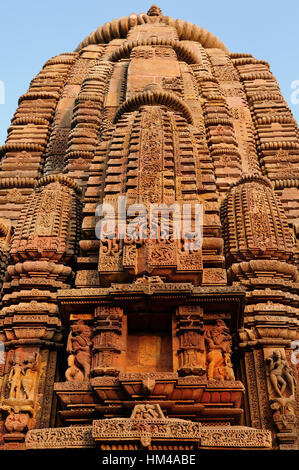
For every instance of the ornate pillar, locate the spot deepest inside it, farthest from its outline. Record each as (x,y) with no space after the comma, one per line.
(107,343)
(191,348)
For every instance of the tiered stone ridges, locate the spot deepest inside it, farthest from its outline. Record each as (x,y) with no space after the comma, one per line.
(158,111)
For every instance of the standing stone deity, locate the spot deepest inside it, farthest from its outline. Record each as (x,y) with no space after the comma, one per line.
(15,381)
(22,378)
(79,345)
(218,341)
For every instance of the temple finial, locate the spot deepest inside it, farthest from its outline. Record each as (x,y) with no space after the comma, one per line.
(154,11)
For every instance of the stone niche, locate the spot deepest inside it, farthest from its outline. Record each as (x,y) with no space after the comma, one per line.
(149,343)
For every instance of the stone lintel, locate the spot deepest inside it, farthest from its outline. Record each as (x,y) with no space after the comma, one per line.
(126,432)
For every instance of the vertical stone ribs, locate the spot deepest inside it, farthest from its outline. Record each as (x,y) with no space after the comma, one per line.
(24,149)
(61,126)
(254,223)
(276,133)
(276,130)
(218,121)
(156,111)
(105,181)
(86,121)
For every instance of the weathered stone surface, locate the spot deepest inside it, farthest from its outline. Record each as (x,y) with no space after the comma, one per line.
(147,427)
(199,325)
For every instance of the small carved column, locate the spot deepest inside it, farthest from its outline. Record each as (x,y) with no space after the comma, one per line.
(191,351)
(107,347)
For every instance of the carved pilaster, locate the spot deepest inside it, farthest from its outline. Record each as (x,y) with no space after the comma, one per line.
(191,352)
(107,343)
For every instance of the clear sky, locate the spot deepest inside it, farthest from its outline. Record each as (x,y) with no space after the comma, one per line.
(32,31)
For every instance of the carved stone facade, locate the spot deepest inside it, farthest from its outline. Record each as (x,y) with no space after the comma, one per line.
(138,334)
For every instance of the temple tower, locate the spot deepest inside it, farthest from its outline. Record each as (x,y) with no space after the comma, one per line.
(149,207)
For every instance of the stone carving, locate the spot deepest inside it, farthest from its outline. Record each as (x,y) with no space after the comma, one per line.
(154,11)
(73,373)
(254,195)
(147,423)
(30,375)
(219,341)
(15,381)
(107,339)
(192,353)
(16,422)
(151,156)
(236,437)
(79,345)
(22,378)
(284,416)
(142,53)
(74,437)
(158,111)
(87,436)
(147,412)
(282,387)
(281,375)
(46,215)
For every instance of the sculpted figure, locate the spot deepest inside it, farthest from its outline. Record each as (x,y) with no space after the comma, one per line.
(228,367)
(16,422)
(79,344)
(146,412)
(218,341)
(73,373)
(29,377)
(22,377)
(280,374)
(15,381)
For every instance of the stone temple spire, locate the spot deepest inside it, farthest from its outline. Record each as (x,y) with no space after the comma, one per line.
(188,309)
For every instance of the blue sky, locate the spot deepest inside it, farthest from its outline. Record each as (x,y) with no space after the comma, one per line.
(31,32)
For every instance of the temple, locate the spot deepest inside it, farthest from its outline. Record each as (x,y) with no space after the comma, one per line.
(122,333)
